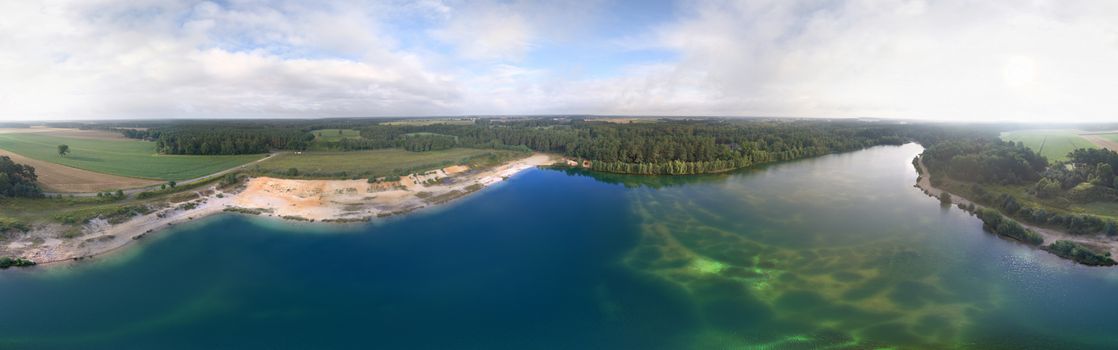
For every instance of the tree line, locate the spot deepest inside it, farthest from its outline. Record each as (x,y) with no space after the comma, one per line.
(667,146)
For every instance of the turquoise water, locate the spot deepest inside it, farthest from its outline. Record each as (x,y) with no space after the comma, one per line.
(836,252)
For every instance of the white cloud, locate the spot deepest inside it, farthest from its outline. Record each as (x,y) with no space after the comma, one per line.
(949,59)
(939,59)
(174,59)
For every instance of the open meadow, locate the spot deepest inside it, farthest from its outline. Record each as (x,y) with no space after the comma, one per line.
(127,158)
(425,122)
(335,135)
(373,163)
(1053,144)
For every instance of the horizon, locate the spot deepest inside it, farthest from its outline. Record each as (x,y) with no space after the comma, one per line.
(1001,61)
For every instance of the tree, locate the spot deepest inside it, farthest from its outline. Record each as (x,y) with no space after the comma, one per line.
(18,180)
(229,179)
(1104,175)
(945,198)
(63,150)
(172,183)
(1047,187)
(119,194)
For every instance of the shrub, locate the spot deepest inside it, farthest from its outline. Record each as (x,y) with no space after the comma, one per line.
(1080,253)
(6,262)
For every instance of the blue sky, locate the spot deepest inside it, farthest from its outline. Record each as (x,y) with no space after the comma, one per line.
(946,60)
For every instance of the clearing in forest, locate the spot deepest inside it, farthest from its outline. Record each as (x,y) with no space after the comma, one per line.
(335,135)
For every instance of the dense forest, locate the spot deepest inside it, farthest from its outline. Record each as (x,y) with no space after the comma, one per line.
(665,146)
(18,180)
(985,160)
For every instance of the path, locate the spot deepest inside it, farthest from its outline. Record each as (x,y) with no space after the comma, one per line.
(132,191)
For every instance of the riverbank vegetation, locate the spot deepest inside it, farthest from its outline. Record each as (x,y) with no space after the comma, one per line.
(1076,195)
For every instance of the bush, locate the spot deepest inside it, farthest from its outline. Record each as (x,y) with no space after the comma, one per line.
(996,223)
(7,224)
(945,198)
(6,262)
(1080,253)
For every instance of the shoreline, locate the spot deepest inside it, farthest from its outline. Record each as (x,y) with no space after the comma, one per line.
(1050,235)
(325,201)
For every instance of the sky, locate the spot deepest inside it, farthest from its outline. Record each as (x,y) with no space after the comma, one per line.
(954,60)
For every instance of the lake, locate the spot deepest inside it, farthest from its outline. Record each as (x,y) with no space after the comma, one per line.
(835,252)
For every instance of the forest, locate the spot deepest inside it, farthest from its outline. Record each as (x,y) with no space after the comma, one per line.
(666,146)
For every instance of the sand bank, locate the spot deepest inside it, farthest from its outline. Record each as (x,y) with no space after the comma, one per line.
(304,200)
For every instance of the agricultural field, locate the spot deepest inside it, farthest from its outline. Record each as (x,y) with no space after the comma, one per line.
(423,122)
(374,163)
(622,120)
(127,158)
(1104,140)
(335,135)
(1053,144)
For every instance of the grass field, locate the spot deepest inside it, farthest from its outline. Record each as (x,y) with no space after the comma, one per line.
(373,163)
(335,135)
(128,158)
(1054,144)
(420,122)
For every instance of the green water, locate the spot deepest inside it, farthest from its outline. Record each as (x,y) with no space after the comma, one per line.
(836,252)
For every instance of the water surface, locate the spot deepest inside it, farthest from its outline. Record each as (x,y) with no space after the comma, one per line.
(835,252)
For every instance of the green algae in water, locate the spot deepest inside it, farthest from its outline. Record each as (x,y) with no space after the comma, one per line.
(837,252)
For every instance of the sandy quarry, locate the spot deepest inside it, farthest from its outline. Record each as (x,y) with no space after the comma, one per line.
(358,200)
(318,200)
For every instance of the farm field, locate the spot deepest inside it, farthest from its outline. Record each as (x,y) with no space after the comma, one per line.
(372,163)
(128,158)
(335,135)
(421,122)
(1053,144)
(1108,141)
(60,178)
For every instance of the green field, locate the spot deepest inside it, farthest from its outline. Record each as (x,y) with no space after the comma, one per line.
(335,135)
(129,158)
(422,122)
(1053,144)
(1111,137)
(374,163)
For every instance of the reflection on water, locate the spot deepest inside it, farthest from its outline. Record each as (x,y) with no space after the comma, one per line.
(837,252)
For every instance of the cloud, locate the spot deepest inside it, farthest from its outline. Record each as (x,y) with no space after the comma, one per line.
(173,59)
(936,59)
(948,59)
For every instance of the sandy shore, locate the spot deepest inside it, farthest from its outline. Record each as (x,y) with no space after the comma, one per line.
(1098,241)
(304,200)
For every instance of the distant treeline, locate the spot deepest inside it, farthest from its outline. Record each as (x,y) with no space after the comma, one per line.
(663,147)
(668,146)
(223,139)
